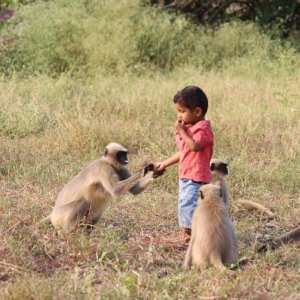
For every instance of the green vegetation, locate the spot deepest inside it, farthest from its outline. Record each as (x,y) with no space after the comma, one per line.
(76,36)
(284,15)
(80,74)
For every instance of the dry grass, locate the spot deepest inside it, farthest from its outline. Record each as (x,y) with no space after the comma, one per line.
(50,128)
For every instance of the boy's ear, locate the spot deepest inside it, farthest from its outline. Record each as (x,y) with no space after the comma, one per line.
(198,111)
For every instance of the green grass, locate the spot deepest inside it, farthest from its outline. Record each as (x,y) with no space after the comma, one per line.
(52,123)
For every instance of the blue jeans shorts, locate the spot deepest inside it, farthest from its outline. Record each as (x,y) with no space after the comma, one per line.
(187,202)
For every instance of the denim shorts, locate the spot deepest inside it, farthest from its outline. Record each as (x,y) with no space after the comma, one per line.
(187,202)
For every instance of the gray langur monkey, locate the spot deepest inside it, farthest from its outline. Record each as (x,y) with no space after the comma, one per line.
(213,239)
(219,171)
(84,198)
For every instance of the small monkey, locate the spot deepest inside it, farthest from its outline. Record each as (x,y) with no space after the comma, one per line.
(219,171)
(213,240)
(86,195)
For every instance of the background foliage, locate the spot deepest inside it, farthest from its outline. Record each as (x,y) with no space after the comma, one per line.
(63,35)
(76,75)
(284,15)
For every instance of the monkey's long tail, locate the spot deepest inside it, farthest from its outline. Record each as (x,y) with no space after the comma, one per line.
(260,207)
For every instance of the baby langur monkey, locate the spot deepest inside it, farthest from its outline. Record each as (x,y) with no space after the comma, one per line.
(213,239)
(84,198)
(219,171)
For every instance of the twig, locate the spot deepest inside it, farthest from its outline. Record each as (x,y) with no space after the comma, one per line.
(6,41)
(291,236)
(12,227)
(15,267)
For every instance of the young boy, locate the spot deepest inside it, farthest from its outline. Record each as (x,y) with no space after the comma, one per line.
(194,140)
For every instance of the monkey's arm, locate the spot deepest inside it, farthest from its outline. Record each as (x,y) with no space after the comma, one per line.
(142,183)
(225,193)
(111,181)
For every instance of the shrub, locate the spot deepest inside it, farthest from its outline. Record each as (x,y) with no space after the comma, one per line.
(114,37)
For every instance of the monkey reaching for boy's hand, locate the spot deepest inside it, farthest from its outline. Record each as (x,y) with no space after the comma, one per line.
(84,198)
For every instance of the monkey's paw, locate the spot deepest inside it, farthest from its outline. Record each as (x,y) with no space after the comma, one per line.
(150,168)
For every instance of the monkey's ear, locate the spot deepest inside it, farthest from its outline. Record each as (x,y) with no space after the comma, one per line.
(201,195)
(212,166)
(221,193)
(105,152)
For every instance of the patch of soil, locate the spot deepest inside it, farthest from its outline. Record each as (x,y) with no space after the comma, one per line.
(6,14)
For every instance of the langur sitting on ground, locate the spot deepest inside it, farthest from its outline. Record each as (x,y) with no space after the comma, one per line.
(213,240)
(84,198)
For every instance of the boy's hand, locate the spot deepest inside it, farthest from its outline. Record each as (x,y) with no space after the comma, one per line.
(159,169)
(179,126)
(159,166)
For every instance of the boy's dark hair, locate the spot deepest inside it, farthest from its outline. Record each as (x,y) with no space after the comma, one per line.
(192,97)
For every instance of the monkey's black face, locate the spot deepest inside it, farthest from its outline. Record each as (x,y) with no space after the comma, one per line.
(222,167)
(122,157)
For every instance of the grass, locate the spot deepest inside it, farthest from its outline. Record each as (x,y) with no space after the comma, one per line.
(118,85)
(129,253)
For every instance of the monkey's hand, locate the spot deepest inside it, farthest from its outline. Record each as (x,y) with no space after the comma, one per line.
(142,183)
(151,168)
(158,173)
(148,168)
(145,180)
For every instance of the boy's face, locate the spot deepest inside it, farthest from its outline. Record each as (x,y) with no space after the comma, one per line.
(188,116)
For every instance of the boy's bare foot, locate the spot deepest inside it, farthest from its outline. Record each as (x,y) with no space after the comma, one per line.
(187,235)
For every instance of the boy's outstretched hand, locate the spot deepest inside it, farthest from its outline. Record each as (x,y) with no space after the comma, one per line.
(159,166)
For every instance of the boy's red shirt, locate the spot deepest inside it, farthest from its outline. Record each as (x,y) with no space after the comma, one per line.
(195,165)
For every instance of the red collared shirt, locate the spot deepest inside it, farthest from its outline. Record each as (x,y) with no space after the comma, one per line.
(195,165)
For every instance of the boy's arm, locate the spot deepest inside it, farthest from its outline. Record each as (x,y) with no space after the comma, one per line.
(191,144)
(159,166)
